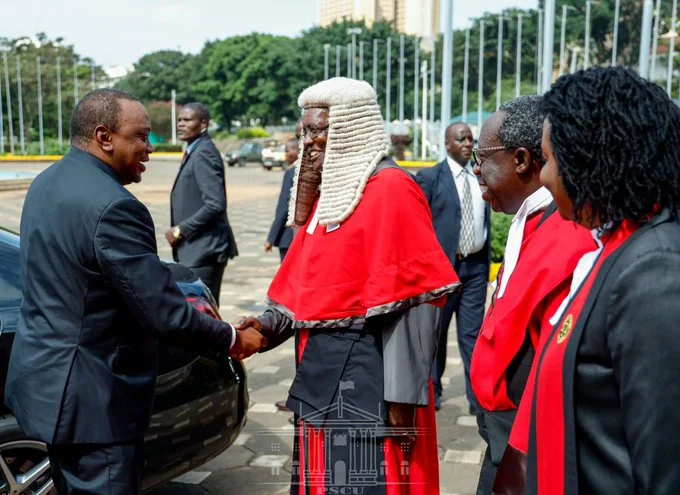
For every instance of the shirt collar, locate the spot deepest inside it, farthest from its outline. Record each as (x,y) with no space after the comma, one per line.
(193,145)
(456,167)
(539,200)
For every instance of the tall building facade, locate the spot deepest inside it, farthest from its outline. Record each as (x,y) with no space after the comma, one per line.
(415,17)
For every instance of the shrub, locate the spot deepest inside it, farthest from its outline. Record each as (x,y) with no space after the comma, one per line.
(251,133)
(500,225)
(167,147)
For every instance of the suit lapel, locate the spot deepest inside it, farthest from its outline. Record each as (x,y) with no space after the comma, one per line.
(184,165)
(449,184)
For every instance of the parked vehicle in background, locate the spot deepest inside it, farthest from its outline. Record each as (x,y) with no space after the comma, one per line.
(274,156)
(207,391)
(248,152)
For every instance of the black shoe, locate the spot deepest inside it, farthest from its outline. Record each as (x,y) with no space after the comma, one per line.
(437,402)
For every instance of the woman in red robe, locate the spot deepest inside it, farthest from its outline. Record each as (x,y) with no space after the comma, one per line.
(606,395)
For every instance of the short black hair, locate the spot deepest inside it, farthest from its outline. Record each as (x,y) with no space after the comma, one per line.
(523,125)
(454,124)
(98,107)
(201,110)
(616,140)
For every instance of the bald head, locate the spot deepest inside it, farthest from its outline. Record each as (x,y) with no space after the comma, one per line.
(458,142)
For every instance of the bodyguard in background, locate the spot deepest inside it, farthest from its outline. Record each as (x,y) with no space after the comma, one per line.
(200,236)
(280,235)
(96,298)
(462,224)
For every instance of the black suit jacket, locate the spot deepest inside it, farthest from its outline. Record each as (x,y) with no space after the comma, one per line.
(96,298)
(280,235)
(621,368)
(198,204)
(440,190)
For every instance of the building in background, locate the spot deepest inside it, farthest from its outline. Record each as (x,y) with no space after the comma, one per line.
(415,17)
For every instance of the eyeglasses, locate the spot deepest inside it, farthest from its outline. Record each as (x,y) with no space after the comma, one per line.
(315,132)
(479,160)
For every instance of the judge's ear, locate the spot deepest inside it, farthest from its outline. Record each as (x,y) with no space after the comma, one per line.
(523,161)
(102,135)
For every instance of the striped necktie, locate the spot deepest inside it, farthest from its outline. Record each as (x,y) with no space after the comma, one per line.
(467,231)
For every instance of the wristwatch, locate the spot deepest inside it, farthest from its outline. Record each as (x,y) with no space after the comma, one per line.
(176,232)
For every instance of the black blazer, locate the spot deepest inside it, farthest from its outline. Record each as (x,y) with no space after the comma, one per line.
(198,204)
(96,297)
(440,190)
(621,369)
(280,235)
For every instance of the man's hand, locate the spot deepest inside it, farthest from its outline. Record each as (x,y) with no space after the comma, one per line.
(248,342)
(170,236)
(247,321)
(267,246)
(403,418)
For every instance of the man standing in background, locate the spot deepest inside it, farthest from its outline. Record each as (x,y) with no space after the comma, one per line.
(200,236)
(280,235)
(462,223)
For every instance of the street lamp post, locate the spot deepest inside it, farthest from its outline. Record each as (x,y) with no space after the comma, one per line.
(354,32)
(645,38)
(375,64)
(423,153)
(574,60)
(447,58)
(416,87)
(59,114)
(548,43)
(480,80)
(21,107)
(326,56)
(173,115)
(388,83)
(40,107)
(75,82)
(518,56)
(8,97)
(349,60)
(671,49)
(539,55)
(586,40)
(432,79)
(563,39)
(466,74)
(337,60)
(401,78)
(499,62)
(655,36)
(615,40)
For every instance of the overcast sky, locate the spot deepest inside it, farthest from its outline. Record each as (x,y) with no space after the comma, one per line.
(119,32)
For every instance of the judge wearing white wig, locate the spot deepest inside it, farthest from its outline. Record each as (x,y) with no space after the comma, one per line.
(361,289)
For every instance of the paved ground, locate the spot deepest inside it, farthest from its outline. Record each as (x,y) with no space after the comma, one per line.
(259,462)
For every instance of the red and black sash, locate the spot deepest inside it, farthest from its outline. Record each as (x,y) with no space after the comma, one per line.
(551,466)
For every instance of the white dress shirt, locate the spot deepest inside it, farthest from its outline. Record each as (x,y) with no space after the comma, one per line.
(583,268)
(478,205)
(538,201)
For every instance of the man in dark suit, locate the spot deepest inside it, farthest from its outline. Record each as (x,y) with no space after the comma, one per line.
(462,224)
(96,299)
(280,235)
(200,236)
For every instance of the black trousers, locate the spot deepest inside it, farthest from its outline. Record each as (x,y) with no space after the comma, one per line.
(282,252)
(468,305)
(96,469)
(212,277)
(494,428)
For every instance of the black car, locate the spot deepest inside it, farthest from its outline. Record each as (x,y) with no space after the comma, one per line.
(200,402)
(248,152)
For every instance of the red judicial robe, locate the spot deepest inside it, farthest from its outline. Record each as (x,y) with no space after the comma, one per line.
(549,430)
(541,280)
(383,259)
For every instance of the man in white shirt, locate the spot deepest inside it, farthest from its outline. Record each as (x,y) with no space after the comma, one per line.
(461,222)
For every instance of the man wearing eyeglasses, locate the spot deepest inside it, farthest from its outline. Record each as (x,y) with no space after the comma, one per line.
(540,257)
(462,223)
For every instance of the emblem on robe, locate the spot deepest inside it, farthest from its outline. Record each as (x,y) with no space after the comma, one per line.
(565,330)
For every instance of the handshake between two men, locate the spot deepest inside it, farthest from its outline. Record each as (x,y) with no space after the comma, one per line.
(249,340)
